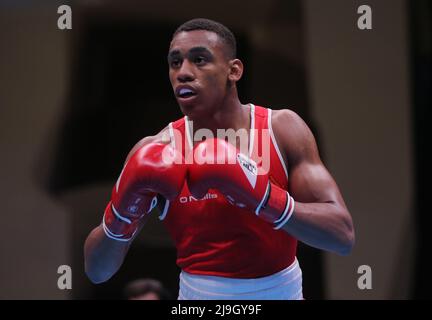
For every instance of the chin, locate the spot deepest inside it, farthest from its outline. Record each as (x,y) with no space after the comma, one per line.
(191,110)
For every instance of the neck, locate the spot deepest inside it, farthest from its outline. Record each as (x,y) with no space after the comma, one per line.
(236,118)
(229,114)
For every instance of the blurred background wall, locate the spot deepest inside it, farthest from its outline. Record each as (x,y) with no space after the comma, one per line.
(359,86)
(73,102)
(34,72)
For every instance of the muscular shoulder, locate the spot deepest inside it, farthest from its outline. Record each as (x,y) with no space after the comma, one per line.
(293,136)
(161,137)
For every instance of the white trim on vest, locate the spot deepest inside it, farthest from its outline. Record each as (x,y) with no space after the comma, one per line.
(269,116)
(252,129)
(188,133)
(171,134)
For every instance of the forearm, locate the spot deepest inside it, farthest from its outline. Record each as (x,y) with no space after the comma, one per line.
(326,226)
(103,256)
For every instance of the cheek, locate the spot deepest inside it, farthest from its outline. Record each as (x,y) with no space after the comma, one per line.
(171,75)
(217,82)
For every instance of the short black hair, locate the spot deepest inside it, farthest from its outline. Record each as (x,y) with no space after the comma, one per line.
(209,25)
(143,286)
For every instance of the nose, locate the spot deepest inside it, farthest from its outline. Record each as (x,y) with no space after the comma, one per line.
(185,73)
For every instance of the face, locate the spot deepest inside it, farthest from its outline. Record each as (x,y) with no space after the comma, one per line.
(199,71)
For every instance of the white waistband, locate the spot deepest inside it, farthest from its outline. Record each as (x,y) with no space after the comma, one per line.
(283,285)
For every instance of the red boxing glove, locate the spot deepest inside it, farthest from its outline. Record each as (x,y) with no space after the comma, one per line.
(153,169)
(219,165)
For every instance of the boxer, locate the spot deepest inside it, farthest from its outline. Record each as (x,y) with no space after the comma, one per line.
(235,213)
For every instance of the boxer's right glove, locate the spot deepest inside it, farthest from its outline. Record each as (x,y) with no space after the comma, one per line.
(153,169)
(219,165)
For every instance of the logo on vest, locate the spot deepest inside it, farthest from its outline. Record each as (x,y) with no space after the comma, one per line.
(249,168)
(188,199)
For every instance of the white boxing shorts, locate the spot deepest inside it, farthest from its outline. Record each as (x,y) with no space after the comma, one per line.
(283,285)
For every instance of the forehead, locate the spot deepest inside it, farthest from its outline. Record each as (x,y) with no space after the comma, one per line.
(186,40)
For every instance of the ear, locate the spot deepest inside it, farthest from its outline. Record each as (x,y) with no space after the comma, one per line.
(236,70)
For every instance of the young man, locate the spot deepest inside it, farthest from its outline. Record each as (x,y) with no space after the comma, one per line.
(235,209)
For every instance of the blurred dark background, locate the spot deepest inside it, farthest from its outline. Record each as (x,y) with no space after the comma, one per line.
(74,102)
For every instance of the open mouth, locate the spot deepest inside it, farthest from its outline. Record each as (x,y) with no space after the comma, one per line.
(185,92)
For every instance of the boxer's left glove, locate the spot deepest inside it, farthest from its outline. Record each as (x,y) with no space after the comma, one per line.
(153,169)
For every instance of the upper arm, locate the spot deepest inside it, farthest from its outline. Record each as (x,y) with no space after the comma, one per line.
(309,180)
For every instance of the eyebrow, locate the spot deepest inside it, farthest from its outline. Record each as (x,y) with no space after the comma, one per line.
(199,50)
(173,53)
(193,50)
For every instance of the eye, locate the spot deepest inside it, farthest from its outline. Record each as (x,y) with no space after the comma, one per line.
(200,60)
(175,63)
